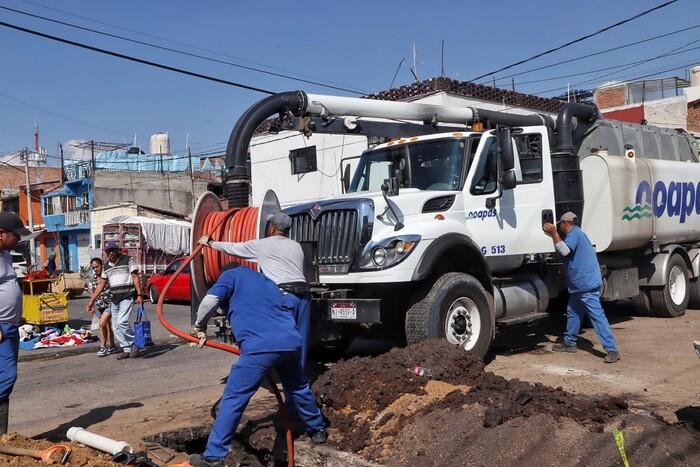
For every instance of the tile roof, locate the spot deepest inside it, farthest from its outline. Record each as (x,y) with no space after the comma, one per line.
(468,89)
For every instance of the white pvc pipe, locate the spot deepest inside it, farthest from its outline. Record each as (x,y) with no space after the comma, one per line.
(342,106)
(101,443)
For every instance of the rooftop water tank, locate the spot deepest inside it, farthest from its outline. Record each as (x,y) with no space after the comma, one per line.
(160,144)
(695,76)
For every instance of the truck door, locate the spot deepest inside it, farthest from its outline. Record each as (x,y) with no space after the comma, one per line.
(513,227)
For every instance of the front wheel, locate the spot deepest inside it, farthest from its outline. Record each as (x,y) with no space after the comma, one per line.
(153,294)
(457,308)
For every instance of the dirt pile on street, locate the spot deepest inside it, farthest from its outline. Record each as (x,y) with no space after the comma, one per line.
(81,456)
(463,415)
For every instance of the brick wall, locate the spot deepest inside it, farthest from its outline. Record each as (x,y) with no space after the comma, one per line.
(694,116)
(610,97)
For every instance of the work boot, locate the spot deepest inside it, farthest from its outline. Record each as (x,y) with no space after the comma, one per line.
(198,460)
(561,347)
(320,437)
(612,356)
(4,414)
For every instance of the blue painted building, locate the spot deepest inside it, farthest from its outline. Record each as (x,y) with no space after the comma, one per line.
(66,213)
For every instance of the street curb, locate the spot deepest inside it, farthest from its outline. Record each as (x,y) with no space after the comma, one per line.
(53,353)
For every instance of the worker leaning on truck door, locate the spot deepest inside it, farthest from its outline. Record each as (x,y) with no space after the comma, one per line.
(584,282)
(11,229)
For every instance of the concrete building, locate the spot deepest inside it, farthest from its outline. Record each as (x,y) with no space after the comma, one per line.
(665,102)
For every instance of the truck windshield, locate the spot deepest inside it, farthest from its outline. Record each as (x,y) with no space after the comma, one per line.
(426,165)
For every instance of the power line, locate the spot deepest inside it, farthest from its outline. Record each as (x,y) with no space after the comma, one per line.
(122,28)
(188,54)
(587,36)
(134,59)
(621,67)
(597,53)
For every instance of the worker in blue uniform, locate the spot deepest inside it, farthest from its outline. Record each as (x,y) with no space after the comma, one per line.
(267,335)
(11,228)
(584,282)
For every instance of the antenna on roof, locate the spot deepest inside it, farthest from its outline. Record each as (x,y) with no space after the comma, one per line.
(134,140)
(414,70)
(397,72)
(442,59)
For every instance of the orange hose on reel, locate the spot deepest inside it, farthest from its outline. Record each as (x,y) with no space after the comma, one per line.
(234,225)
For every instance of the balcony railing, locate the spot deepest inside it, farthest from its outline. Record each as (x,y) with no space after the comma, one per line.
(77,217)
(78,171)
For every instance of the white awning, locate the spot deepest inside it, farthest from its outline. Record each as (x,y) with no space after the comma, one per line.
(32,235)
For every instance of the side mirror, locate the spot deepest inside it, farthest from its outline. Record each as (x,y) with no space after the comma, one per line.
(346,178)
(505,148)
(390,187)
(508,180)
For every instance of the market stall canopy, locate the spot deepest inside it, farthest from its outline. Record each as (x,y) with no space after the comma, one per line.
(168,235)
(32,235)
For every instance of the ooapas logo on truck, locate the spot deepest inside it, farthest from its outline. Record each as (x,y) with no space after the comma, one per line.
(679,199)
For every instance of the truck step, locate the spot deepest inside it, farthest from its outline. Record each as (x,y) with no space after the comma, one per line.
(522,318)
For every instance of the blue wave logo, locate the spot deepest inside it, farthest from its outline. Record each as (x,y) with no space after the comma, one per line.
(679,199)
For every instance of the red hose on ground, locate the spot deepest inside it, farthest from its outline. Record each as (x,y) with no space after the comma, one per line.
(244,226)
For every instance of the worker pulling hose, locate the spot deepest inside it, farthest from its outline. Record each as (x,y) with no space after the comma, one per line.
(225,347)
(238,225)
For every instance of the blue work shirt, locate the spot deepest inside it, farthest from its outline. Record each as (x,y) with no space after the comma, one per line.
(260,315)
(582,268)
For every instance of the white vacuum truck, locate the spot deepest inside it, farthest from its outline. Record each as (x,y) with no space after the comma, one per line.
(439,233)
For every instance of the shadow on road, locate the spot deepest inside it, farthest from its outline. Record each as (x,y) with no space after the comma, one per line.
(94,416)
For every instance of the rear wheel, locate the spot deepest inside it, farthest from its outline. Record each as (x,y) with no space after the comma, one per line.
(694,301)
(457,308)
(671,299)
(153,294)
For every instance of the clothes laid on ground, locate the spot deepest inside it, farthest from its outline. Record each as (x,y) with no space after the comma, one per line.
(54,337)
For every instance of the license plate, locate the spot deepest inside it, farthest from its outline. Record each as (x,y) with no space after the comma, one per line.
(343,311)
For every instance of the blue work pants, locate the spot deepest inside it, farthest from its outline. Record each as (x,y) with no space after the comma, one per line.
(121,312)
(9,353)
(588,303)
(244,380)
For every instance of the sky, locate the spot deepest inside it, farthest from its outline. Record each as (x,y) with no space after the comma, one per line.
(339,48)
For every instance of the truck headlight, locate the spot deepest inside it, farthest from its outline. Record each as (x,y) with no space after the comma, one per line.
(388,252)
(379,256)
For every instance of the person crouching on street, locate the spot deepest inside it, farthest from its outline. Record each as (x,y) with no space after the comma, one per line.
(584,282)
(121,273)
(102,308)
(267,335)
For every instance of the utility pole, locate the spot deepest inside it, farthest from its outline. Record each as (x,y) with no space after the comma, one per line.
(24,156)
(189,156)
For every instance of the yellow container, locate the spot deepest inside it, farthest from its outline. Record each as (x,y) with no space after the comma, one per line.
(42,307)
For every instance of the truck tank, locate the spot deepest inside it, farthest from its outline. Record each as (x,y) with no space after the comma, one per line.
(640,183)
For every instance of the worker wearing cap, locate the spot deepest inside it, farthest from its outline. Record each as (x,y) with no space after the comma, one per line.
(11,229)
(282,260)
(121,273)
(267,335)
(584,282)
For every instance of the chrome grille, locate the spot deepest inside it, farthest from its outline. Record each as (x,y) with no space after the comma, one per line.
(336,232)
